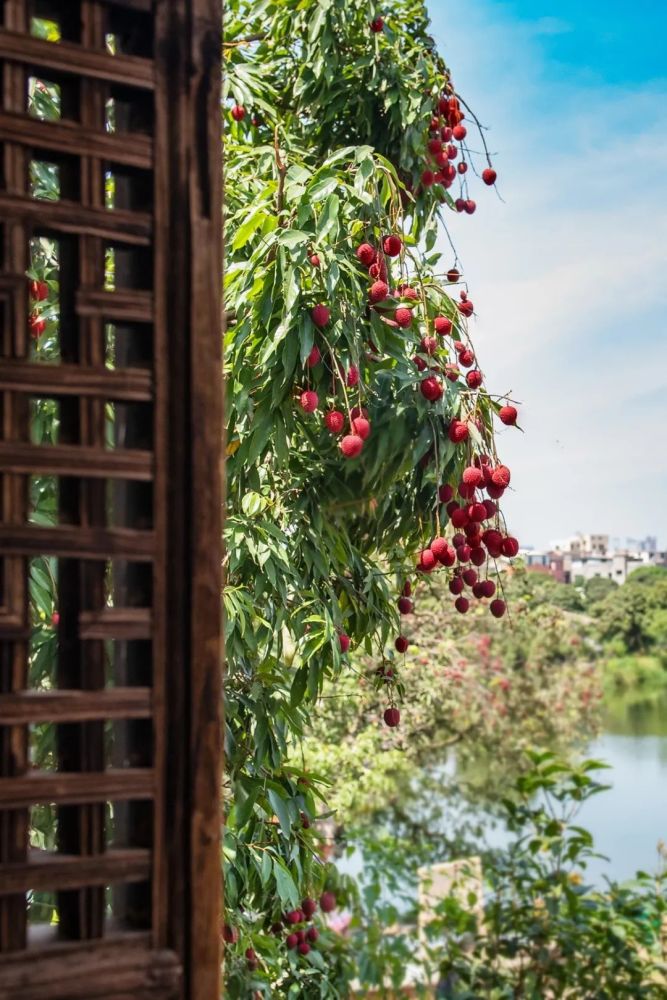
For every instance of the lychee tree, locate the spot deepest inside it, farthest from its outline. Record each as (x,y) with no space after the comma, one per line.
(360,437)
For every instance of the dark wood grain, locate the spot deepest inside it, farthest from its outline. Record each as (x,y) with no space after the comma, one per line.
(132,151)
(77,787)
(44,871)
(23,707)
(69,460)
(129,385)
(133,228)
(77,542)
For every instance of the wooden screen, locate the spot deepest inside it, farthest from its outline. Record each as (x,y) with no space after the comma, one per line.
(110,499)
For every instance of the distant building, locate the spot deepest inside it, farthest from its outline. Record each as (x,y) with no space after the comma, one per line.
(594,555)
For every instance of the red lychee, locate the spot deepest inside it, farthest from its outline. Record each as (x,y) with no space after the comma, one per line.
(351,445)
(365,254)
(377,24)
(401,644)
(312,934)
(463,553)
(405,606)
(459,518)
(501,476)
(37,326)
(334,421)
(477,556)
(309,401)
(344,643)
(469,577)
(327,902)
(466,358)
(292,940)
(352,377)
(466,308)
(470,206)
(320,315)
(497,608)
(379,291)
(392,245)
(453,275)
(314,260)
(510,547)
(362,427)
(442,325)
(458,431)
(474,379)
(39,290)
(495,492)
(392,717)
(431,389)
(472,476)
(438,547)
(419,363)
(456,585)
(403,316)
(428,177)
(489,588)
(459,132)
(303,948)
(428,345)
(293,917)
(461,604)
(462,167)
(427,561)
(489,176)
(477,512)
(508,415)
(445,493)
(230,935)
(314,357)
(238,112)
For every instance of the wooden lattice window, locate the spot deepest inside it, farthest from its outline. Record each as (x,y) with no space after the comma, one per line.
(110,499)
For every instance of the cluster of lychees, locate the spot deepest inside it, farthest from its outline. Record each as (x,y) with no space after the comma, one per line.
(445,130)
(39,292)
(302,933)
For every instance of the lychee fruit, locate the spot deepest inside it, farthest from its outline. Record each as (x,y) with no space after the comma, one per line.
(472,476)
(489,176)
(334,421)
(378,291)
(351,445)
(419,363)
(458,431)
(456,585)
(314,260)
(508,415)
(37,325)
(401,644)
(309,401)
(466,308)
(510,547)
(489,588)
(39,290)
(427,561)
(403,316)
(428,345)
(303,948)
(312,934)
(405,606)
(442,325)
(461,604)
(438,547)
(320,315)
(352,377)
(377,24)
(314,357)
(392,245)
(459,132)
(427,178)
(230,935)
(474,379)
(453,275)
(344,643)
(392,717)
(501,476)
(238,112)
(497,608)
(469,577)
(362,427)
(445,493)
(466,358)
(365,254)
(431,389)
(462,167)
(470,206)
(477,556)
(292,940)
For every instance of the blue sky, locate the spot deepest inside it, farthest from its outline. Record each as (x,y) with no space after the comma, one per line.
(569,272)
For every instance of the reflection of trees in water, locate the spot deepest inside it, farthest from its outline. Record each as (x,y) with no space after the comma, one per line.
(637,713)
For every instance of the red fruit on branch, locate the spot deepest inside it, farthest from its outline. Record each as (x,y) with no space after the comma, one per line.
(344,643)
(510,547)
(446,133)
(439,547)
(449,558)
(230,935)
(461,604)
(392,245)
(362,427)
(428,345)
(379,291)
(303,948)
(497,608)
(39,290)
(392,717)
(489,588)
(427,561)
(434,124)
(478,589)
(320,315)
(405,606)
(469,577)
(334,421)
(477,556)
(456,585)
(472,476)
(460,204)
(407,589)
(401,644)
(292,940)
(445,493)
(469,207)
(452,152)
(442,325)
(431,389)
(351,445)
(489,176)
(312,934)
(459,518)
(352,377)
(427,178)
(406,292)
(314,260)
(508,415)
(327,902)
(458,431)
(459,132)
(314,357)
(466,357)
(453,275)
(495,492)
(477,512)
(434,146)
(419,363)
(463,553)
(466,308)
(491,508)
(309,401)
(238,112)
(377,24)
(365,254)
(474,379)
(462,167)
(500,476)
(293,917)
(403,317)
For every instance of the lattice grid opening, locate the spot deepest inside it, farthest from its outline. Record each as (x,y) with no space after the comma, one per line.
(109,498)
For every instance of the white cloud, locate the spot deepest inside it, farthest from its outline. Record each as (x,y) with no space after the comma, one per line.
(567,277)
